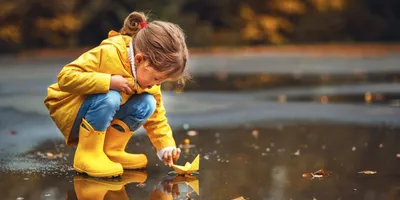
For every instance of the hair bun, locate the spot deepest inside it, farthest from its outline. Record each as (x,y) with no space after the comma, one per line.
(132,23)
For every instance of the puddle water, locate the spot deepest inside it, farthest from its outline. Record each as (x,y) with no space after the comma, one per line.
(249,82)
(367,98)
(251,144)
(253,162)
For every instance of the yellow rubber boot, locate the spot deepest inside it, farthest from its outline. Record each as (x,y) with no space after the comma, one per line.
(90,157)
(115,144)
(87,188)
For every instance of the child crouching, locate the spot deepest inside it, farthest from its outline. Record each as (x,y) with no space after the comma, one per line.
(107,93)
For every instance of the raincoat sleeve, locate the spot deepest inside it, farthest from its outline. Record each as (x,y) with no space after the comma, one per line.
(157,127)
(83,75)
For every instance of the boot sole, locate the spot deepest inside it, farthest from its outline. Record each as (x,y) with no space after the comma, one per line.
(100,175)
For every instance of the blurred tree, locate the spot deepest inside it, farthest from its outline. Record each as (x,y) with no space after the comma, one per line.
(285,21)
(29,24)
(33,23)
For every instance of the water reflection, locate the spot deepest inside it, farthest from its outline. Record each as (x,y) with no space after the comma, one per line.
(179,187)
(89,188)
(264,161)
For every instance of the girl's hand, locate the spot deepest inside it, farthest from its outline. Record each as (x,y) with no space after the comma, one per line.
(120,84)
(171,156)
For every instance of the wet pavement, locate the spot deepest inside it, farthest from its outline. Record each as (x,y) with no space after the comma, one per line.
(259,123)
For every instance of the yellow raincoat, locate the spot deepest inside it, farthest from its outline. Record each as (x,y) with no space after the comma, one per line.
(91,74)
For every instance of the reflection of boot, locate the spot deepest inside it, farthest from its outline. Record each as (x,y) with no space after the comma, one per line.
(134,176)
(115,144)
(129,176)
(89,156)
(88,188)
(117,195)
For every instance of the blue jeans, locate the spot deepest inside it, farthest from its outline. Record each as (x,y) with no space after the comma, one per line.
(100,109)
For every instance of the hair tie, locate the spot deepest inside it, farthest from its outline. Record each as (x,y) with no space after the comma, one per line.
(143,24)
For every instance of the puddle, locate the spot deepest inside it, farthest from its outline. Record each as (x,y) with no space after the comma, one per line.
(251,82)
(392,99)
(257,135)
(254,162)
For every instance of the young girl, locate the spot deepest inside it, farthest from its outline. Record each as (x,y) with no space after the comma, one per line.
(106,94)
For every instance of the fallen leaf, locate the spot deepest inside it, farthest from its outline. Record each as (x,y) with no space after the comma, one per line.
(318,174)
(367,172)
(321,172)
(297,153)
(308,175)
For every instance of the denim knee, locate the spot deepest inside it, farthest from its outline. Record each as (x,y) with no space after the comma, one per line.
(102,109)
(110,101)
(146,107)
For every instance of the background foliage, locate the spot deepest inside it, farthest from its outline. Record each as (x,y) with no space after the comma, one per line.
(30,24)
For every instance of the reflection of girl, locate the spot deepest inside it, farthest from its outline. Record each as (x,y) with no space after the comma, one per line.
(172,188)
(118,84)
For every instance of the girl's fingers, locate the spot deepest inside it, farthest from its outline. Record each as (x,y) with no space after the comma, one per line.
(123,90)
(170,157)
(128,90)
(174,152)
(170,160)
(177,153)
(169,153)
(165,158)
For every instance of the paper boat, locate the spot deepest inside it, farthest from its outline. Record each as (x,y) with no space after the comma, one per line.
(189,167)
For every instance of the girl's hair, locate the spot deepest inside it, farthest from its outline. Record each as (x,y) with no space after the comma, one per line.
(162,44)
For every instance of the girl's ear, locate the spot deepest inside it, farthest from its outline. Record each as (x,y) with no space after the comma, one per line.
(139,59)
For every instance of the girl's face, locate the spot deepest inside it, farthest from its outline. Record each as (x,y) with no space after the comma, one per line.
(146,75)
